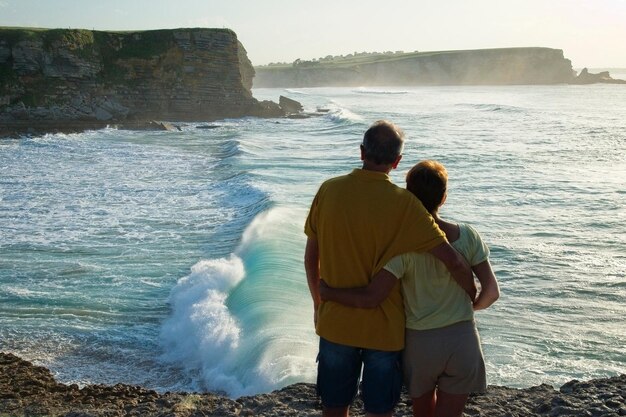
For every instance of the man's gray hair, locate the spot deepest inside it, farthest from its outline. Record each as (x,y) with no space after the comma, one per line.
(383,143)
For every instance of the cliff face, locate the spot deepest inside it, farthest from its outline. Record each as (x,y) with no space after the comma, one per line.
(90,76)
(472,67)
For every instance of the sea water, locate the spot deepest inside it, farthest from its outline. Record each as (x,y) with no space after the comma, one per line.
(173,260)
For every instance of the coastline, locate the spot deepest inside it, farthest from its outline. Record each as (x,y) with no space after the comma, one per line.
(29,390)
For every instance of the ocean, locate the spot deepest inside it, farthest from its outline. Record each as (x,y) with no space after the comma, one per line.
(173,260)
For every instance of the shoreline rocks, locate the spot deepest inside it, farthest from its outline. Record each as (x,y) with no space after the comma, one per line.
(29,390)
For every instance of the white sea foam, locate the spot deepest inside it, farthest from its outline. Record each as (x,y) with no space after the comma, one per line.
(366,90)
(201,333)
(299,92)
(19,291)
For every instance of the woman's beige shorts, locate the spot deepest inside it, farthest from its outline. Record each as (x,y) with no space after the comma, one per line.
(449,358)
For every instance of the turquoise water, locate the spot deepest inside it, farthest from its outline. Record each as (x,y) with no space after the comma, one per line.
(174,259)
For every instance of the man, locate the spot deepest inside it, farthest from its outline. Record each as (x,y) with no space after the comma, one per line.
(356,224)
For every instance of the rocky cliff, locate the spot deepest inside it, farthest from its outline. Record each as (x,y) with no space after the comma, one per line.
(80,78)
(470,67)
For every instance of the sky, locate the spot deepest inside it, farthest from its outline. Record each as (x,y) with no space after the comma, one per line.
(591,33)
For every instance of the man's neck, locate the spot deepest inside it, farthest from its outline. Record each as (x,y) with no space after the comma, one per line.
(384,168)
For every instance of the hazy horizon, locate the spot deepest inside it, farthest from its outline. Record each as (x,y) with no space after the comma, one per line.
(590,33)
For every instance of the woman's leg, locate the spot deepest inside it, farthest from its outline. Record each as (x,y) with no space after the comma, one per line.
(449,405)
(424,406)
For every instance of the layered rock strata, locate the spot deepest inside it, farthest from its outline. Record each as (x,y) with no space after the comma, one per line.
(28,390)
(81,78)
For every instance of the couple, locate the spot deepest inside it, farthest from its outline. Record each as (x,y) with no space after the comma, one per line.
(366,239)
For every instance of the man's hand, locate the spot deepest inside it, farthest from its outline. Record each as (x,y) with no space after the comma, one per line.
(458,267)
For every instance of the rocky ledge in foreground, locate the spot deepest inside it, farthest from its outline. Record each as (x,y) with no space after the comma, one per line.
(28,390)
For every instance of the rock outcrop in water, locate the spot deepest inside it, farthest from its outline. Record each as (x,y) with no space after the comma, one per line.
(586,77)
(62,79)
(28,390)
(469,67)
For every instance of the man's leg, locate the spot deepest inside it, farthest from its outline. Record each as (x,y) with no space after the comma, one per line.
(389,414)
(335,412)
(338,372)
(382,382)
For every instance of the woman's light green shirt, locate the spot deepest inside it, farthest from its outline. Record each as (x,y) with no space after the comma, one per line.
(432,298)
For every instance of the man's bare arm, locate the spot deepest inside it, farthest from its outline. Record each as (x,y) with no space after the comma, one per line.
(458,267)
(312,268)
(362,297)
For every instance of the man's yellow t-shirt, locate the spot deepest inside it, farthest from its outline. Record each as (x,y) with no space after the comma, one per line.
(361,221)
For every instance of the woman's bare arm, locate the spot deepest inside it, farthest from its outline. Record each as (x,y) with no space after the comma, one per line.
(490,290)
(312,269)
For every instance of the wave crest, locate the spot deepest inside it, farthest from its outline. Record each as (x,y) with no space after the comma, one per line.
(342,115)
(365,90)
(201,331)
(227,328)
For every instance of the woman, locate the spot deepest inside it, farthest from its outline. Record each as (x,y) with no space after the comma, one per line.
(442,360)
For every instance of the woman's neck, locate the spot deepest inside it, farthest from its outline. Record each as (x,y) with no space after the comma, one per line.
(450,229)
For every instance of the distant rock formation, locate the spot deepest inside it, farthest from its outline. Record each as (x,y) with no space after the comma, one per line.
(471,67)
(61,79)
(585,77)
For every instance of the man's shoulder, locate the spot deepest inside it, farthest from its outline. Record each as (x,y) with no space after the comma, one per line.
(339,182)
(356,182)
(337,179)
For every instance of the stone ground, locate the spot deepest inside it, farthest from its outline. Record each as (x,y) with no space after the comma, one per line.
(28,390)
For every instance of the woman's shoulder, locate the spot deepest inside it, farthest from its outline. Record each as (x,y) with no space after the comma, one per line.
(471,244)
(469,231)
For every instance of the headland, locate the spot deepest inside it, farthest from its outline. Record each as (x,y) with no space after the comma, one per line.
(502,66)
(74,79)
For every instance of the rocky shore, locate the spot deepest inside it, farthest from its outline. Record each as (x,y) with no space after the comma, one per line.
(28,390)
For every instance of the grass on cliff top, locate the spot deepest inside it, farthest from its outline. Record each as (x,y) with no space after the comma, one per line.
(128,44)
(124,44)
(74,38)
(14,35)
(29,33)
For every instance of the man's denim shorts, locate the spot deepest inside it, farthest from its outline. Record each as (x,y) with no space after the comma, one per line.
(339,369)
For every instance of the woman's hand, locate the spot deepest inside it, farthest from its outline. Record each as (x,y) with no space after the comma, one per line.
(324,288)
